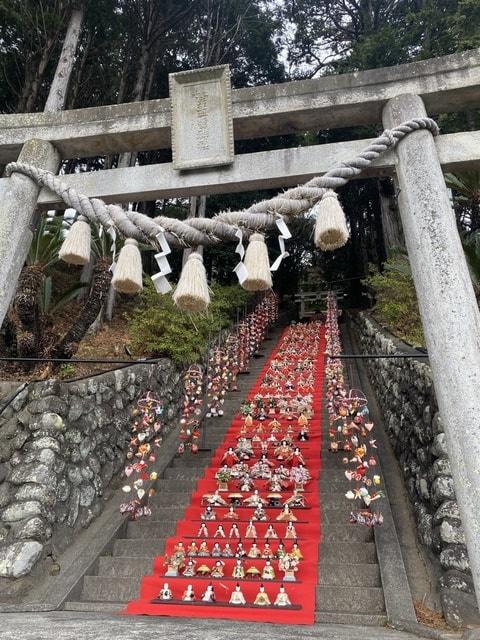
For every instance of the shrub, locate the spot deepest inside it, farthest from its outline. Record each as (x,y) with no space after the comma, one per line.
(158,329)
(396,300)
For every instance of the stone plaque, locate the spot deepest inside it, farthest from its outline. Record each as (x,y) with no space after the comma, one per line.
(202,127)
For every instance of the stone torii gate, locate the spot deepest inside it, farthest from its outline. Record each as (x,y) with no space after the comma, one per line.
(390,96)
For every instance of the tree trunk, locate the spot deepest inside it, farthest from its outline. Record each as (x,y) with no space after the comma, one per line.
(38,77)
(25,304)
(75,85)
(57,96)
(110,304)
(392,226)
(87,316)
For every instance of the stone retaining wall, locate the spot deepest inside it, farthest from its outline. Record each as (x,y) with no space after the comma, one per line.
(406,396)
(62,446)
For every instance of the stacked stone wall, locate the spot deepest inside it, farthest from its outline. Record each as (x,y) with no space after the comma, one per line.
(405,392)
(62,448)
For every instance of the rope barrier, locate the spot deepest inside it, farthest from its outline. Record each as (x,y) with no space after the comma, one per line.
(261,216)
(254,270)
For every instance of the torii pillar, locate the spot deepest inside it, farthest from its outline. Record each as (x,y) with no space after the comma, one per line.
(449,311)
(17,222)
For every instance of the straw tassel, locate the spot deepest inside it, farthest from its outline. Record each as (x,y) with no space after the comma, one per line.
(331,230)
(75,248)
(191,293)
(127,277)
(257,264)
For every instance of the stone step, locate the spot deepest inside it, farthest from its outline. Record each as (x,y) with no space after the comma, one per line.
(153,528)
(138,547)
(94,607)
(125,566)
(170,499)
(193,461)
(330,599)
(335,517)
(104,589)
(338,552)
(336,500)
(356,619)
(350,599)
(349,575)
(176,473)
(346,533)
(172,486)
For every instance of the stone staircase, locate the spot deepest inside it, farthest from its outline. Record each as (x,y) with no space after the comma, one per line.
(115,578)
(349,587)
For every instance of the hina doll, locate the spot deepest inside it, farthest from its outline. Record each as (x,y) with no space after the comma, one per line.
(251,531)
(303,435)
(240,551)
(219,533)
(284,475)
(255,500)
(268,572)
(208,514)
(234,532)
(283,451)
(264,447)
(231,514)
(281,551)
(272,405)
(216,550)
(254,551)
(282,599)
(203,531)
(295,551)
(217,571)
(290,532)
(271,533)
(209,595)
(267,552)
(238,570)
(179,548)
(247,483)
(192,549)
(165,593)
(227,551)
(189,570)
(214,499)
(274,426)
(244,449)
(296,500)
(230,457)
(275,484)
(203,550)
(248,422)
(188,594)
(262,599)
(296,458)
(259,514)
(286,515)
(237,596)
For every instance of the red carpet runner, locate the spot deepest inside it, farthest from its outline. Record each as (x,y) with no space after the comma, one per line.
(293,349)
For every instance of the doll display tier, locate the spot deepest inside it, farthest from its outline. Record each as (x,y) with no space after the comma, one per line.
(247,546)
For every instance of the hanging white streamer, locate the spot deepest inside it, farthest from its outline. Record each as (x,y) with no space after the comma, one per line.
(240,270)
(159,280)
(282,236)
